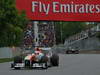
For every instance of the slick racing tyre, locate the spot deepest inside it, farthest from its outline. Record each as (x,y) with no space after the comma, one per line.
(17,59)
(68,52)
(17,68)
(55,60)
(76,52)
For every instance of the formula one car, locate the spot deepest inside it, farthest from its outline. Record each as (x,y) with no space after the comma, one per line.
(72,51)
(46,58)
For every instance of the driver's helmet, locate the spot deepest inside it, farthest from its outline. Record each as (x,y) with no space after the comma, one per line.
(39,50)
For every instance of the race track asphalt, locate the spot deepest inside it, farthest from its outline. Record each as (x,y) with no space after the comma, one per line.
(72,64)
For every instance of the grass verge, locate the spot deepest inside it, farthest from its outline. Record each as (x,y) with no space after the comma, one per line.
(90,52)
(2,60)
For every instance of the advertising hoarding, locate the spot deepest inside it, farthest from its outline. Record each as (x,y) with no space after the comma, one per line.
(60,10)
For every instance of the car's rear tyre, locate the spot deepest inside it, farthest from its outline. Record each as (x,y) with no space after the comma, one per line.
(17,68)
(55,60)
(17,59)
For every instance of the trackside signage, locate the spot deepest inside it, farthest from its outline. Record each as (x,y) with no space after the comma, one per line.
(61,10)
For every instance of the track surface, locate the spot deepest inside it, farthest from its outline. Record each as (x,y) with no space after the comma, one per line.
(79,64)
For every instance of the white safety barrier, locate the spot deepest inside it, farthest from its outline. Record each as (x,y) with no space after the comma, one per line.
(5,52)
(82,35)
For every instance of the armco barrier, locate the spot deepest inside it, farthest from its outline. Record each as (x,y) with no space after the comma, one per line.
(5,52)
(9,52)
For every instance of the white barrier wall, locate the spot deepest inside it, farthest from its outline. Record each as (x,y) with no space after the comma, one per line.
(6,52)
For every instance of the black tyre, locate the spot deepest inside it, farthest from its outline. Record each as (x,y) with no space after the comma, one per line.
(68,52)
(76,52)
(17,59)
(55,60)
(17,68)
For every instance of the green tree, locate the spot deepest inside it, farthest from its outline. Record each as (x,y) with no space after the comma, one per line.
(66,29)
(12,23)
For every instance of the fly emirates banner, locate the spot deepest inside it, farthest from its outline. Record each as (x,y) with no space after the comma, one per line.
(60,10)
